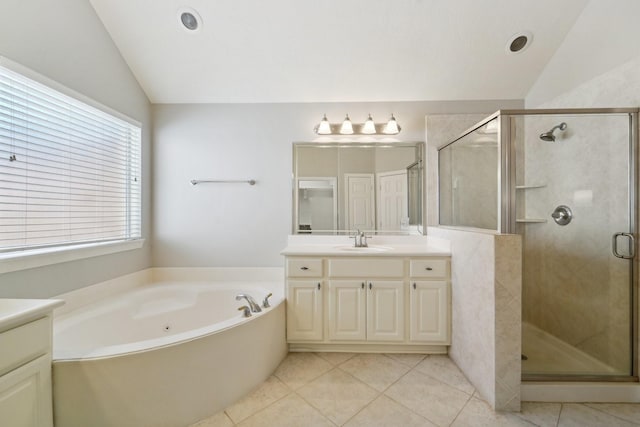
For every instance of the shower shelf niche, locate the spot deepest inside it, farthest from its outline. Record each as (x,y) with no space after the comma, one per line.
(527,187)
(531,220)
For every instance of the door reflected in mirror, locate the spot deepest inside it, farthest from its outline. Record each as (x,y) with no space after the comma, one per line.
(343,187)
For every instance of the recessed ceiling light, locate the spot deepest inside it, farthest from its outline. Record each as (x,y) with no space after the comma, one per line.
(519,42)
(189,19)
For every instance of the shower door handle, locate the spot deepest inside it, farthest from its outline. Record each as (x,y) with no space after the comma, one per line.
(632,246)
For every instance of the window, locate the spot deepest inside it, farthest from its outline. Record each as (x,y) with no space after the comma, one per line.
(69,172)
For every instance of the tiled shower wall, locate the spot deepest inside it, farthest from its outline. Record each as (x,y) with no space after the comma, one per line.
(486,287)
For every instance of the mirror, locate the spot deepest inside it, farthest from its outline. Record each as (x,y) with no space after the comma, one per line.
(340,187)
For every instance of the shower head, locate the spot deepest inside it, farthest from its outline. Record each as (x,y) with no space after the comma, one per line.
(549,136)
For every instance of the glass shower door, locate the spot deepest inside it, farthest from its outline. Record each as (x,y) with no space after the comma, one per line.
(574,192)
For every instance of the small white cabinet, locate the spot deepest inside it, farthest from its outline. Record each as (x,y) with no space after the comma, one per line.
(369,310)
(304,310)
(25,395)
(385,311)
(347,310)
(25,362)
(428,316)
(385,303)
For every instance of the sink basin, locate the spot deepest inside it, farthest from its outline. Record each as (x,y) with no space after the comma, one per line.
(368,249)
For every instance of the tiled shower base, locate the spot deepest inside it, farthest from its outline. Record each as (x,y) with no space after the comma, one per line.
(547,354)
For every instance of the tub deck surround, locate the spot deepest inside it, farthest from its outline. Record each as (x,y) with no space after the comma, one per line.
(169,348)
(393,296)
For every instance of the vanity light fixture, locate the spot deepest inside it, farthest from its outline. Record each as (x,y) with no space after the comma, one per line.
(369,127)
(347,126)
(392,127)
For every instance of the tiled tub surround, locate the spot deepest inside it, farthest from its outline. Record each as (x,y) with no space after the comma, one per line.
(391,297)
(154,348)
(486,274)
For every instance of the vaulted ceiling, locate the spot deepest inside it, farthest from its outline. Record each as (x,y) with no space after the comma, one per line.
(336,50)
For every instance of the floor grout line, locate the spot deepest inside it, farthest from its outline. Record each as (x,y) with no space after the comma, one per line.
(607,413)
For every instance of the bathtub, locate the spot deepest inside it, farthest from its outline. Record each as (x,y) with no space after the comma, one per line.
(164,347)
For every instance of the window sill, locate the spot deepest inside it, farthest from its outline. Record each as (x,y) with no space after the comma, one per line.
(15,261)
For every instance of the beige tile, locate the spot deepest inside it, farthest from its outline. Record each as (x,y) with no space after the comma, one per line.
(541,414)
(218,420)
(337,395)
(290,411)
(297,369)
(478,413)
(265,394)
(443,369)
(577,415)
(377,370)
(434,400)
(626,411)
(336,358)
(384,412)
(408,359)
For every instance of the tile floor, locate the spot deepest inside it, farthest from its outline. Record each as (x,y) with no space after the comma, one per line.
(404,390)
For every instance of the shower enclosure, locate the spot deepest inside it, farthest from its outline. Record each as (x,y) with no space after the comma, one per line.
(566,181)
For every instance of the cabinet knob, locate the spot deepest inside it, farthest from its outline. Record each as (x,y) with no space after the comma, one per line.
(428,268)
(318,285)
(370,285)
(414,285)
(362,285)
(304,268)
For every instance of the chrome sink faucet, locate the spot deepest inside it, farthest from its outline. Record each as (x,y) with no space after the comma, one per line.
(252,303)
(360,239)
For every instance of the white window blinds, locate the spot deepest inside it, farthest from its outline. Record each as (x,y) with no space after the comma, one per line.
(69,172)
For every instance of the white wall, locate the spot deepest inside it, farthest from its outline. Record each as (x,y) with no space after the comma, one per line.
(598,63)
(236,224)
(65,41)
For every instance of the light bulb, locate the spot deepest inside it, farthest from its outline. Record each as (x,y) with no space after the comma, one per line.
(347,127)
(323,128)
(369,128)
(392,127)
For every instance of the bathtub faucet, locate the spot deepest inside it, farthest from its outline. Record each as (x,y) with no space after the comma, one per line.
(252,303)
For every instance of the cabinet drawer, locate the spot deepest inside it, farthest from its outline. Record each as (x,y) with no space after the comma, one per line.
(428,268)
(304,267)
(24,343)
(369,268)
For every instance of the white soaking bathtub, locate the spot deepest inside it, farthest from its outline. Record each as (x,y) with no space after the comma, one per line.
(164,347)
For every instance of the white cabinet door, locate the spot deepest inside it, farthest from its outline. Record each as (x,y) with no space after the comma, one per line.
(429,312)
(347,310)
(25,395)
(385,311)
(304,310)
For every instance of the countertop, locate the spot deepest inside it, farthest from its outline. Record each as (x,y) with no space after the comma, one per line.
(14,312)
(379,246)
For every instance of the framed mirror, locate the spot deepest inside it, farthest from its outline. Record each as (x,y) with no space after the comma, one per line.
(340,187)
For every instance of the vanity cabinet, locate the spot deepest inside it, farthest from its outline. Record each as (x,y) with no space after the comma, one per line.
(368,303)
